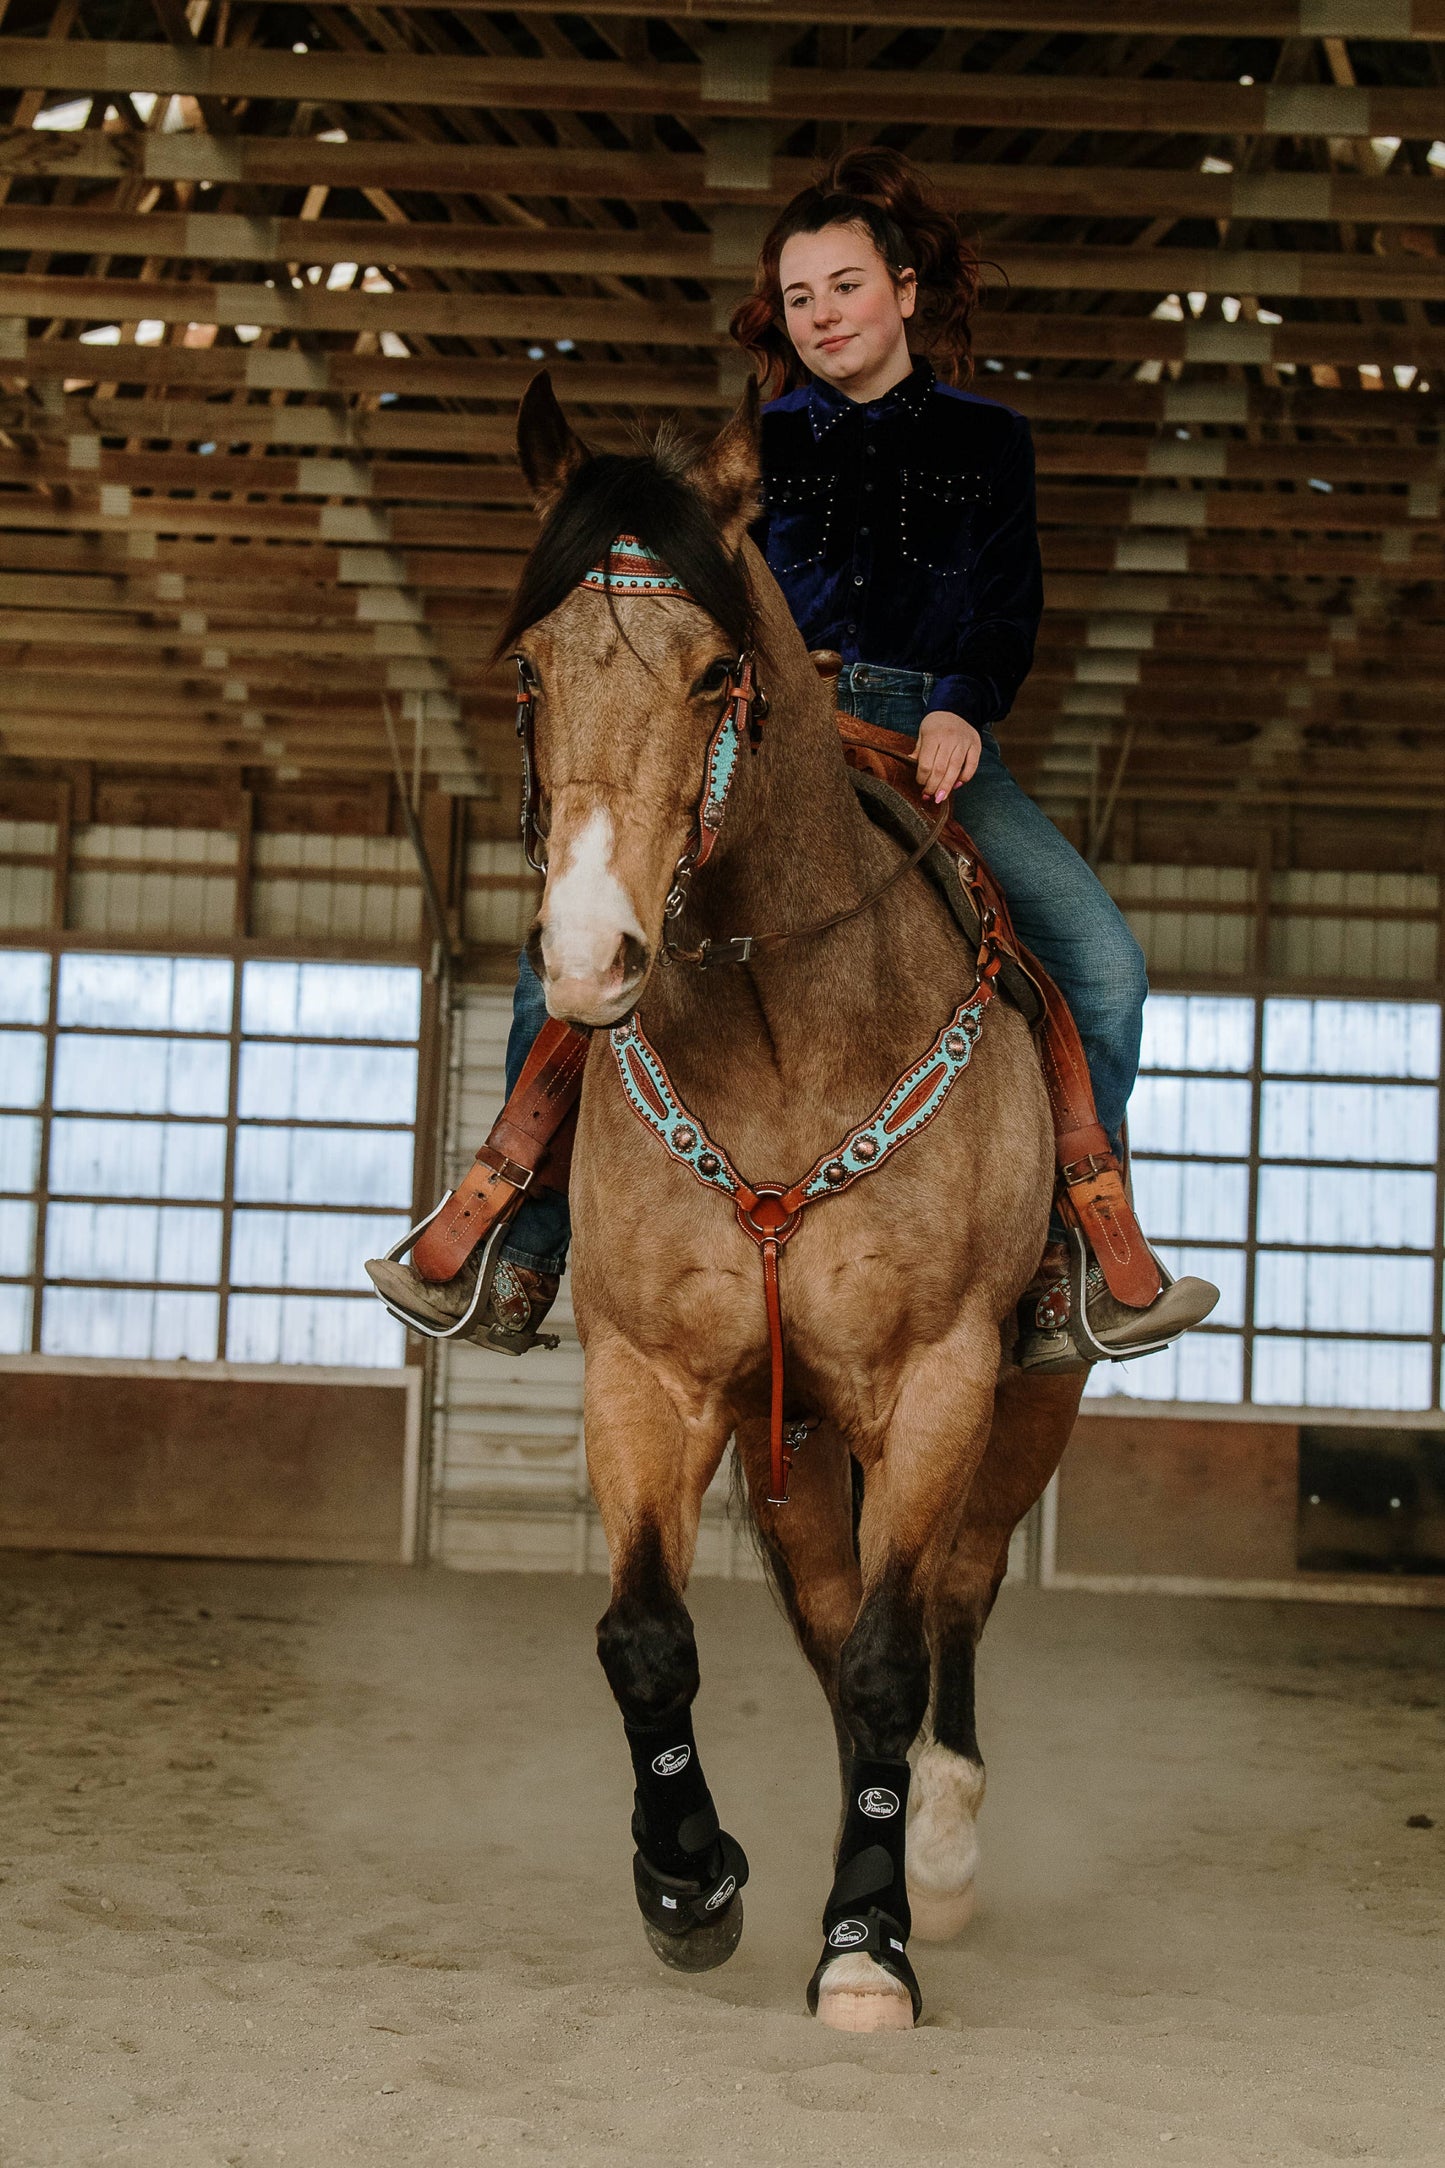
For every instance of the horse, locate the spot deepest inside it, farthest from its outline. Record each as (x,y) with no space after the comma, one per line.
(925,1446)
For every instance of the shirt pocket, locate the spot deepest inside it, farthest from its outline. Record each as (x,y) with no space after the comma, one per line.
(940,521)
(800,511)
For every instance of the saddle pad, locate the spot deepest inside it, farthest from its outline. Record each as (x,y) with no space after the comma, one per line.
(889,810)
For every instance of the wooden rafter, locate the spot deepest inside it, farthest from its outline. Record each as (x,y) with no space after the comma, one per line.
(258,355)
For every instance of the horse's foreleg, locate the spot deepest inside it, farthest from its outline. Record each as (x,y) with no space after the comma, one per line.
(650,1464)
(916,1478)
(1033,1418)
(809,1547)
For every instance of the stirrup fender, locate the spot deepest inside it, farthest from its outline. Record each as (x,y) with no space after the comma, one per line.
(526,1138)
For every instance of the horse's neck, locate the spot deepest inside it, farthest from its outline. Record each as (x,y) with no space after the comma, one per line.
(795,849)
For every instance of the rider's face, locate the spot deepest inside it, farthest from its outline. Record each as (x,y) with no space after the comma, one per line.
(845,310)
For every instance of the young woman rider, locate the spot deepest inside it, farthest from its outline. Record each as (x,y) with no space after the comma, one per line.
(899,523)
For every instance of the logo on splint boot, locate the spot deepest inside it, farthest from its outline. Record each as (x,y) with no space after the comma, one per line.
(848,1934)
(877,1802)
(721,1894)
(671,1761)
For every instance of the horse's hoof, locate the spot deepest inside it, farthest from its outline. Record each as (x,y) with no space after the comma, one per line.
(940,1914)
(705,1948)
(856,1995)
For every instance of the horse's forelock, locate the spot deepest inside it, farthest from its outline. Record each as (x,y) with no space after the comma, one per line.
(648,495)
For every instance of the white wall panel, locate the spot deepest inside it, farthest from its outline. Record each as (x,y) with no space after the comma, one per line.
(336,888)
(1187,918)
(502,891)
(27,893)
(1358,943)
(133,880)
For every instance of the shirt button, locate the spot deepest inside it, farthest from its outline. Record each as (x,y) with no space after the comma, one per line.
(867,486)
(857,579)
(863,530)
(871,450)
(852,628)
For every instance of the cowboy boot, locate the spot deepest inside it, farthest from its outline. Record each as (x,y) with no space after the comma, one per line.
(1069,1319)
(506,1319)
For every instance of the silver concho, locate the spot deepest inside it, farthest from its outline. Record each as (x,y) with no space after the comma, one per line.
(834,1173)
(957,1045)
(709,1165)
(866,1149)
(683,1138)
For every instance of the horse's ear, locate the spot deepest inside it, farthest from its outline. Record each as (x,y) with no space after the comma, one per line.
(549,451)
(729,472)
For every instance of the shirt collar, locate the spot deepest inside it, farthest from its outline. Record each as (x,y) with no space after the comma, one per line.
(828,406)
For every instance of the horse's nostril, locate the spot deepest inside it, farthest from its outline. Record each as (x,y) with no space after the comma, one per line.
(632,957)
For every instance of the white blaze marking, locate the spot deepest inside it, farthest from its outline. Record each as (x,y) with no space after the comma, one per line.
(588,910)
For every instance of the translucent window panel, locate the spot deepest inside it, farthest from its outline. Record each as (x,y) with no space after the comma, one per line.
(331,1329)
(93,1158)
(331,1001)
(1352,1038)
(118,1075)
(1202,1366)
(146,993)
(1191,1201)
(17,1236)
(1321,1291)
(144,1323)
(323,1166)
(14,1320)
(308,1249)
(1341,1373)
(22,1068)
(1366,1208)
(327,1083)
(1197,1031)
(1224,1267)
(24,987)
(180,1243)
(1349,1122)
(19,1151)
(1203,1115)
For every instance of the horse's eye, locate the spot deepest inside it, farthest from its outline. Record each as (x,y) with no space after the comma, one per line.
(715,679)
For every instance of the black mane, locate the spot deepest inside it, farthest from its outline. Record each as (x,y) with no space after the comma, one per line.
(644,495)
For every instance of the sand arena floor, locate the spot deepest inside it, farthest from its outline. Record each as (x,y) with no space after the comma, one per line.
(324,1865)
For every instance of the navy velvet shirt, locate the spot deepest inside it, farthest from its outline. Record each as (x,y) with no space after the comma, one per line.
(902,531)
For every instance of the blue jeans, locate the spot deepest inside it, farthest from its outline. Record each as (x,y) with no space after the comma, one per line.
(1060,909)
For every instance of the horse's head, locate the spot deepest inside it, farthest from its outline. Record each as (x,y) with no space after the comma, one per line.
(626,687)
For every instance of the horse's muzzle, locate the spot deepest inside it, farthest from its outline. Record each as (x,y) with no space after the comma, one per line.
(597,1000)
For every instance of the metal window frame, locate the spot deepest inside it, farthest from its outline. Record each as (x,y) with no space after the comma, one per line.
(237,953)
(1255,1160)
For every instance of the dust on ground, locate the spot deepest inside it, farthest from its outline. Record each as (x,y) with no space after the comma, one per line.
(327,1865)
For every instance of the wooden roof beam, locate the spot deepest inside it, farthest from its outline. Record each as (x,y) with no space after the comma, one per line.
(1075,103)
(1004,332)
(1003,189)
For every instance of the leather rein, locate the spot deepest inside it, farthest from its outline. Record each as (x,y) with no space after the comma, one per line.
(769,1213)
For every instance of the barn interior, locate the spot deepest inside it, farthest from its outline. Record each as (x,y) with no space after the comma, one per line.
(290,1599)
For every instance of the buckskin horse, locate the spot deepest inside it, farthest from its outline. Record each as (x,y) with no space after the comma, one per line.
(707,1096)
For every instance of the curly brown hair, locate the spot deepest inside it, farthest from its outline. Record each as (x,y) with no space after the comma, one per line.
(884,193)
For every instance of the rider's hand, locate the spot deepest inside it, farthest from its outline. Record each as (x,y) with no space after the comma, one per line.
(948,750)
